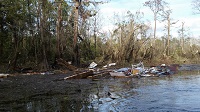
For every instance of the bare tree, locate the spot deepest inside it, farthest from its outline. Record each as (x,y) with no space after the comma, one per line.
(85,13)
(43,19)
(58,28)
(183,33)
(166,17)
(128,38)
(76,15)
(156,6)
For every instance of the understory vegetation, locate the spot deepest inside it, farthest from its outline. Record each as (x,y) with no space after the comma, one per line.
(34,33)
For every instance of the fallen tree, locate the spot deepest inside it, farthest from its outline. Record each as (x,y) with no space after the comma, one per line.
(62,62)
(80,75)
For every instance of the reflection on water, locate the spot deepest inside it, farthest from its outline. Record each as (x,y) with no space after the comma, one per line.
(175,93)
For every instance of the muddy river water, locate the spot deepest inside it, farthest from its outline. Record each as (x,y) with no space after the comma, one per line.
(38,93)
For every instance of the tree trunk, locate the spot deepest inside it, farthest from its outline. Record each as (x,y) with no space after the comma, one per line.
(36,40)
(155,25)
(95,36)
(182,33)
(58,30)
(16,52)
(76,53)
(42,25)
(1,43)
(168,37)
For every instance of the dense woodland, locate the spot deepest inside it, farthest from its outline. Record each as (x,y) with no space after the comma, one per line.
(34,33)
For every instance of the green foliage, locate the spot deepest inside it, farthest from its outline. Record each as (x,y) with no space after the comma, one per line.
(21,43)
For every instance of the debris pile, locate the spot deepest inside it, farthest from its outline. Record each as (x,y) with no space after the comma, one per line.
(137,70)
(140,71)
(95,72)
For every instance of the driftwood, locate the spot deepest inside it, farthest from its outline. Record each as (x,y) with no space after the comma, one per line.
(4,75)
(99,75)
(66,64)
(122,75)
(81,75)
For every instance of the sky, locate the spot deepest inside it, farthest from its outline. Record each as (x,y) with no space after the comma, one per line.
(182,11)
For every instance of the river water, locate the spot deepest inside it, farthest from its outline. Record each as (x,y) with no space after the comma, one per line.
(177,93)
(174,93)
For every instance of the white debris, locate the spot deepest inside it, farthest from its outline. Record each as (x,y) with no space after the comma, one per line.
(105,66)
(163,65)
(69,62)
(92,65)
(112,64)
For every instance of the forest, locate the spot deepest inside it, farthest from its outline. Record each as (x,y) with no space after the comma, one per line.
(35,33)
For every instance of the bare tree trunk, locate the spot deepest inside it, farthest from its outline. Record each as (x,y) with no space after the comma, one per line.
(182,37)
(58,30)
(76,10)
(36,41)
(42,22)
(154,34)
(1,42)
(95,36)
(16,52)
(35,50)
(1,47)
(168,37)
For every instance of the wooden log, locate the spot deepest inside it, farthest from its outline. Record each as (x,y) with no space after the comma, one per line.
(66,64)
(80,75)
(100,75)
(4,75)
(122,75)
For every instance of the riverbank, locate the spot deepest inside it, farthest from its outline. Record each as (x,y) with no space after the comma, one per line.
(19,90)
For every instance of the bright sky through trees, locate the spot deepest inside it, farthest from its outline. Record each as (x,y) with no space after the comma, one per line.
(181,10)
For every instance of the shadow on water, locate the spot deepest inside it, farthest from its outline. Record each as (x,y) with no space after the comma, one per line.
(43,93)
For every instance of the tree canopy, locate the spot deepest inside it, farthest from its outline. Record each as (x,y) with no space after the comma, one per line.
(34,33)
